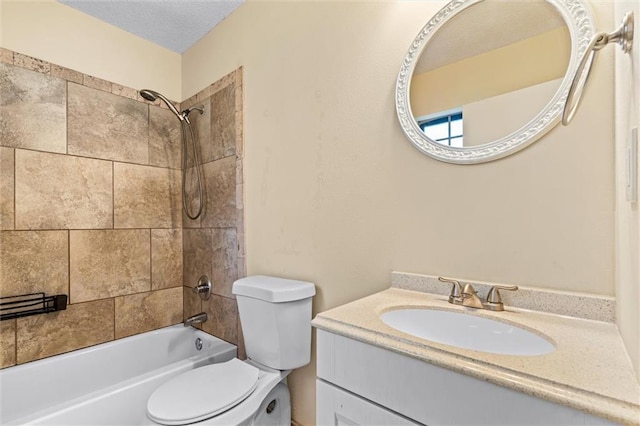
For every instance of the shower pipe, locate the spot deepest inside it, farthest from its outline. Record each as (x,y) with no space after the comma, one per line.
(186,133)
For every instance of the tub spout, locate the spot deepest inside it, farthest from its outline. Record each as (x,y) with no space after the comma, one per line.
(196,319)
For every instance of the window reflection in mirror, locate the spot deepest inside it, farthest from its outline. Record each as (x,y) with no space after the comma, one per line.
(444,128)
(501,61)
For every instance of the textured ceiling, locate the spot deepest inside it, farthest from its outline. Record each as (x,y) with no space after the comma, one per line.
(174,24)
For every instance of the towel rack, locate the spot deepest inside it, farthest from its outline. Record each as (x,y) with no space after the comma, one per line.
(623,36)
(26,305)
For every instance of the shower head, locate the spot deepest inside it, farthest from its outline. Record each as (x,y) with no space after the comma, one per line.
(152,95)
(148,95)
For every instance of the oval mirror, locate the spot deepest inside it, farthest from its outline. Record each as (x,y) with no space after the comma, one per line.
(486,78)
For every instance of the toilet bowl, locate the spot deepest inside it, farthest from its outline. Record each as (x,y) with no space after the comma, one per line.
(275,315)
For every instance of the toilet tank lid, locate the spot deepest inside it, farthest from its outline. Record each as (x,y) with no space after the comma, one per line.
(273,289)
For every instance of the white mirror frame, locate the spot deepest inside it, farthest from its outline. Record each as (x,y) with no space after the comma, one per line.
(578,18)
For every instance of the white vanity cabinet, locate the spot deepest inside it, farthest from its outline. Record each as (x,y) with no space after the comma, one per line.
(363,384)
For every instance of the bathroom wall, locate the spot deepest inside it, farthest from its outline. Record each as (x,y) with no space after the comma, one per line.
(57,33)
(214,242)
(334,192)
(627,213)
(336,195)
(90,207)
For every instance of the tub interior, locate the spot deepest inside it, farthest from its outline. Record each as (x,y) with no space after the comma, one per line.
(44,384)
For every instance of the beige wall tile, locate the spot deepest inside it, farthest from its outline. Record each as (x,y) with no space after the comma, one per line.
(192,303)
(224,261)
(143,312)
(198,254)
(61,192)
(7,343)
(104,125)
(202,129)
(242,353)
(146,197)
(191,101)
(33,110)
(96,83)
(79,326)
(239,171)
(220,183)
(223,318)
(166,258)
(193,199)
(223,123)
(109,263)
(165,138)
(127,92)
(242,266)
(6,56)
(6,188)
(31,63)
(34,261)
(66,73)
(211,252)
(239,134)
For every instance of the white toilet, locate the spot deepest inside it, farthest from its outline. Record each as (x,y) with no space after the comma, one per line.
(275,315)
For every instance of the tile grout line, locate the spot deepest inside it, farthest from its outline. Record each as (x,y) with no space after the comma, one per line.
(98,229)
(66,130)
(66,146)
(114,318)
(15,341)
(69,264)
(15,221)
(94,158)
(150,261)
(113,195)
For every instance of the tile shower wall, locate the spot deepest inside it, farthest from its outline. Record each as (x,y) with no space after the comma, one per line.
(90,206)
(214,243)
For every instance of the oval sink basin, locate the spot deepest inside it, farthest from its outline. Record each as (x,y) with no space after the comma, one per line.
(467,331)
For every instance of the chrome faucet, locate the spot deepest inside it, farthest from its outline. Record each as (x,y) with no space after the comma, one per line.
(195,319)
(468,296)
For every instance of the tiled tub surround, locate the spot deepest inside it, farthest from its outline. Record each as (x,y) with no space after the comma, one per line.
(90,206)
(589,370)
(214,243)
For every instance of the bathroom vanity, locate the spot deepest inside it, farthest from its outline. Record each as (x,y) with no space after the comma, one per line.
(370,373)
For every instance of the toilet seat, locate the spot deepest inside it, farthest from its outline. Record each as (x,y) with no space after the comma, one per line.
(202,393)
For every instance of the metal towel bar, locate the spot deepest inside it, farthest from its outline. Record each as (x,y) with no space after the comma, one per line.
(623,36)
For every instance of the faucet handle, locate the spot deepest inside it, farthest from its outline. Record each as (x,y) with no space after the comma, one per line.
(456,290)
(203,287)
(494,300)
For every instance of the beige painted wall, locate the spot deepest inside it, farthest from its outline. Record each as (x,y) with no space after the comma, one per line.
(335,194)
(627,214)
(59,34)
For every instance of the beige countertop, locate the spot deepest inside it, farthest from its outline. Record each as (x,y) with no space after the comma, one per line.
(589,370)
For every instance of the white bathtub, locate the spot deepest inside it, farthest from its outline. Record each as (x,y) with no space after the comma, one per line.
(107,384)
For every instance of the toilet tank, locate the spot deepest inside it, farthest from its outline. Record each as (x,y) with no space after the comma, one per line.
(275,315)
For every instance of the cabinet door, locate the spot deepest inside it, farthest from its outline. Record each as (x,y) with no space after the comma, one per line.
(336,407)
(427,393)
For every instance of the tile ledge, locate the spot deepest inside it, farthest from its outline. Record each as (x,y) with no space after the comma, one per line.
(572,304)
